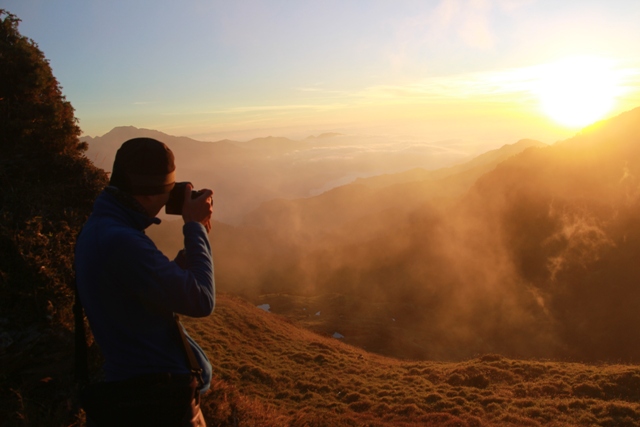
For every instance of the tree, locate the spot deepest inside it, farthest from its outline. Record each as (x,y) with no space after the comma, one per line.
(34,115)
(47,186)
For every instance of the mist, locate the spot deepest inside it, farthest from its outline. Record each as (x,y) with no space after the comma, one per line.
(529,251)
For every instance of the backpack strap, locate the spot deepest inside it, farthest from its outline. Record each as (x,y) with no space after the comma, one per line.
(191,358)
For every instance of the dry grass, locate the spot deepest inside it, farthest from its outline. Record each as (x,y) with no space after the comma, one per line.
(272,372)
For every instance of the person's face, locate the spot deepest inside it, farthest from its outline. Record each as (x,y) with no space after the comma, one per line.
(153,203)
(157,203)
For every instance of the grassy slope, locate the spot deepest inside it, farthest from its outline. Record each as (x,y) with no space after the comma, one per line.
(269,371)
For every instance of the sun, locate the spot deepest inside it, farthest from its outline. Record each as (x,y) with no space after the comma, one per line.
(577,91)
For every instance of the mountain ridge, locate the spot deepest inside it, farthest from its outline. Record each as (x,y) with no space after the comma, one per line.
(245,174)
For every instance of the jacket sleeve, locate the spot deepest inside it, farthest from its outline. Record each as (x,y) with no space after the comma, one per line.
(161,284)
(199,266)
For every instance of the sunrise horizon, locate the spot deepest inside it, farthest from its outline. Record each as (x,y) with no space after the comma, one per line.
(485,72)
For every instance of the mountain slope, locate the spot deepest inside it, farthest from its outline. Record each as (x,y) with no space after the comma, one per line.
(568,217)
(271,370)
(545,247)
(538,259)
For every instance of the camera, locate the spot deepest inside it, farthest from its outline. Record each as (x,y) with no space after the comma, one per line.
(176,198)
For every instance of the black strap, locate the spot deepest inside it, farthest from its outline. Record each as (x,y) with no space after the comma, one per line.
(191,358)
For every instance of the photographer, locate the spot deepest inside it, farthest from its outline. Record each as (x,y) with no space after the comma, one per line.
(129,289)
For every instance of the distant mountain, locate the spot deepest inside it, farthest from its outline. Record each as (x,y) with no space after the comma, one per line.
(244,174)
(474,167)
(102,149)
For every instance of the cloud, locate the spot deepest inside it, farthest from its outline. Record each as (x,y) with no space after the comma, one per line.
(466,21)
(582,238)
(473,25)
(244,109)
(467,86)
(456,25)
(511,84)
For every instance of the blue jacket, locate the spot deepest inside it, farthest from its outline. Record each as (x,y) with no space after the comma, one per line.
(130,291)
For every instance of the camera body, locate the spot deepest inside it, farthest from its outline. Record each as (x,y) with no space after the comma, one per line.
(176,198)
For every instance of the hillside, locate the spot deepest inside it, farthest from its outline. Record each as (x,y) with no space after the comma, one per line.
(273,373)
(537,259)
(440,284)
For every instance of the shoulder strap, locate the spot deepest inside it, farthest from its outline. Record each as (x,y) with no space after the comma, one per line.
(191,358)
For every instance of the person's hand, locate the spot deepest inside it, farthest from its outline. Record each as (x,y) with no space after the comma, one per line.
(198,209)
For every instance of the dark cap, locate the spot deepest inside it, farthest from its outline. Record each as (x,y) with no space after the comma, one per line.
(143,166)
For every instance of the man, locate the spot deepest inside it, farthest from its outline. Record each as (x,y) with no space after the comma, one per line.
(129,289)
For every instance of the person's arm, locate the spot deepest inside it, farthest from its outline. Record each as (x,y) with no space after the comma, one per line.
(199,265)
(165,285)
(162,284)
(195,210)
(196,214)
(181,259)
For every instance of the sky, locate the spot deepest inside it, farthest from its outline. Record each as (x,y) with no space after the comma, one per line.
(485,71)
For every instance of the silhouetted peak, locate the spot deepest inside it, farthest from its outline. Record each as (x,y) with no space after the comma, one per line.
(126,132)
(269,139)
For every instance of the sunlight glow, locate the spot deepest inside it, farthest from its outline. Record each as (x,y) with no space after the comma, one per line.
(578,91)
